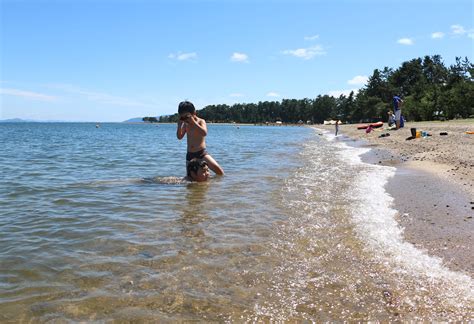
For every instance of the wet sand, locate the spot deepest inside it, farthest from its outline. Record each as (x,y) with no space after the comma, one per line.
(433,188)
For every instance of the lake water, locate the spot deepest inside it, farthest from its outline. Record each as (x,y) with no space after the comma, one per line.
(96,225)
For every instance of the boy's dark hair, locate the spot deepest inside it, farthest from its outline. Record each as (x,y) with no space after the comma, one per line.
(194,166)
(186,107)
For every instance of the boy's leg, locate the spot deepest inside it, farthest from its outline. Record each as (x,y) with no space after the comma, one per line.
(213,165)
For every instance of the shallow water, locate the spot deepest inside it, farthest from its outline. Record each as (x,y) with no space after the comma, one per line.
(96,224)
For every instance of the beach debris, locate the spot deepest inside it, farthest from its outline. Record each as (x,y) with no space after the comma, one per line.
(387,295)
(372,125)
(384,135)
(470,132)
(443,133)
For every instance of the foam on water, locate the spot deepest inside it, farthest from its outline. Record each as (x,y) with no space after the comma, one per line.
(376,224)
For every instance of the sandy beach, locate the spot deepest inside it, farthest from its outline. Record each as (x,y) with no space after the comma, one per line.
(433,187)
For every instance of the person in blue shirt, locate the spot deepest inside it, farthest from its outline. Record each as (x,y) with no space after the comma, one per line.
(397,107)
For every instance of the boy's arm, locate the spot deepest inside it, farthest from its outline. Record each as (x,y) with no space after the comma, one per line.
(181,130)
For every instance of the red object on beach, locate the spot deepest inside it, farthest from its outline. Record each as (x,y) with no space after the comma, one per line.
(377,124)
(373,125)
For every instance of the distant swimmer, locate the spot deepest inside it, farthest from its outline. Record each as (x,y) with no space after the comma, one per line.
(195,128)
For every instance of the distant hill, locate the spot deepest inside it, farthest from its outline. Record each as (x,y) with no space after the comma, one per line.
(16,120)
(137,120)
(134,120)
(19,120)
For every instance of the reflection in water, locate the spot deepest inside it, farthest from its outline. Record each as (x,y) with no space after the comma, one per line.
(194,209)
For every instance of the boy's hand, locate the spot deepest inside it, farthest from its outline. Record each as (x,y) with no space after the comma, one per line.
(185,118)
(191,120)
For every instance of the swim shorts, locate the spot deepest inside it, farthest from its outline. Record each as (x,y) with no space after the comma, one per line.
(196,155)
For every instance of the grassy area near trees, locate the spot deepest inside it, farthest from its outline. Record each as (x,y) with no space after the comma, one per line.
(430,90)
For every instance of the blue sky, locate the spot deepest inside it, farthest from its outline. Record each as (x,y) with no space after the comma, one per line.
(105,60)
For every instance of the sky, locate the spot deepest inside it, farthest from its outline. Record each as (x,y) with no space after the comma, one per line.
(108,61)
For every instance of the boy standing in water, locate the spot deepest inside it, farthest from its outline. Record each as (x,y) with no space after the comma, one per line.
(196,129)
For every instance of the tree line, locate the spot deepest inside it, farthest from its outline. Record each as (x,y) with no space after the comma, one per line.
(429,89)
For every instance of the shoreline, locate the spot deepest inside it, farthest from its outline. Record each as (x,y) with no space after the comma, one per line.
(433,187)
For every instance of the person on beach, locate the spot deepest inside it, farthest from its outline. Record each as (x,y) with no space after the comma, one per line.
(369,129)
(337,127)
(397,107)
(391,118)
(197,170)
(196,130)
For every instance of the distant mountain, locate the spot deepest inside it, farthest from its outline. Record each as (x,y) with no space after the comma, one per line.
(16,120)
(19,120)
(134,120)
(137,120)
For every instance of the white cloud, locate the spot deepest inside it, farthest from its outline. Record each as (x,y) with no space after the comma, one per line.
(310,38)
(345,92)
(239,57)
(358,80)
(236,95)
(182,56)
(273,94)
(458,30)
(470,34)
(306,53)
(405,41)
(100,97)
(27,94)
(437,35)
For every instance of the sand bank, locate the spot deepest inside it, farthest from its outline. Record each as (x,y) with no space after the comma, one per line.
(433,187)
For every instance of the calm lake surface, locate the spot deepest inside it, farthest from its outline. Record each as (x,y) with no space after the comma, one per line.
(97,225)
